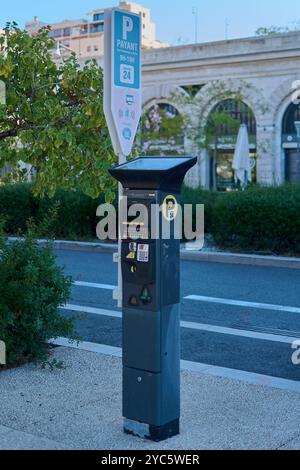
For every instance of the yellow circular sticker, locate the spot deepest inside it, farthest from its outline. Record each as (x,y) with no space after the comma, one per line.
(170,208)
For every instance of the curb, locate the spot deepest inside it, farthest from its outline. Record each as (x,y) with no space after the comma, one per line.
(186,255)
(76,246)
(241,259)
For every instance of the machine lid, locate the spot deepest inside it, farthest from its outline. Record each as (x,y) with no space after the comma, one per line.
(154,172)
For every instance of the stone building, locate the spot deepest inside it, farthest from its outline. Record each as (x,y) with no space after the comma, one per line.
(263,71)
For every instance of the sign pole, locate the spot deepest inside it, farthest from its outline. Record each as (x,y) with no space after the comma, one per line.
(117,294)
(122,92)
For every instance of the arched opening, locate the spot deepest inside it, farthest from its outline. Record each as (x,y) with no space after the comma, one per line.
(221,135)
(290,143)
(161,130)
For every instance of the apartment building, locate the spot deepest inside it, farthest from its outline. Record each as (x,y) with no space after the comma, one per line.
(85,37)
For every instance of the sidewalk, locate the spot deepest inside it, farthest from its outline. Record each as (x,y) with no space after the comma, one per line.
(80,408)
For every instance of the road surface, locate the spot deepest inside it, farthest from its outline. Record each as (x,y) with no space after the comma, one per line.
(241,318)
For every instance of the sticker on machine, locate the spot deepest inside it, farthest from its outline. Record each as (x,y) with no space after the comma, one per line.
(170,208)
(132,247)
(143,253)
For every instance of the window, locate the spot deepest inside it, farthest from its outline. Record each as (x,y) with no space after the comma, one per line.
(89,48)
(98,17)
(57,33)
(289,136)
(239,111)
(292,114)
(222,139)
(97,28)
(96,48)
(168,108)
(67,32)
(83,30)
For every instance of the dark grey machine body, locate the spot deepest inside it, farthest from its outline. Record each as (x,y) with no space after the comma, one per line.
(151,333)
(151,315)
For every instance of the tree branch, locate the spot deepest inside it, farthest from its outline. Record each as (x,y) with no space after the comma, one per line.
(14,132)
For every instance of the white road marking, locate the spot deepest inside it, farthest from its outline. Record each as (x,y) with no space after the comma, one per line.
(206,369)
(94,311)
(237,332)
(94,285)
(201,298)
(194,326)
(242,303)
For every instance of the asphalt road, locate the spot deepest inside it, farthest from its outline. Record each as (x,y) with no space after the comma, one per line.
(252,313)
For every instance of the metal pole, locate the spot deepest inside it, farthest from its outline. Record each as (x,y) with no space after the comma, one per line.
(298,156)
(226,29)
(118,292)
(195,13)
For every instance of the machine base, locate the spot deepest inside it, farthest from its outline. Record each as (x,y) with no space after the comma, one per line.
(152,433)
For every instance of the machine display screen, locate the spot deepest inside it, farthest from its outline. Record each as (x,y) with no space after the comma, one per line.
(134,227)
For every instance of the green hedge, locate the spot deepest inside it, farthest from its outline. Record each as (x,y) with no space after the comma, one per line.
(199,196)
(260,219)
(17,205)
(76,216)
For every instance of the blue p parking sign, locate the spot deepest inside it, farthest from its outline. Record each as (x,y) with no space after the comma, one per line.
(127,57)
(125,79)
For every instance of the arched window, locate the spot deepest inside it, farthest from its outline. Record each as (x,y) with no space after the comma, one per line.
(291,115)
(162,130)
(289,142)
(220,137)
(237,111)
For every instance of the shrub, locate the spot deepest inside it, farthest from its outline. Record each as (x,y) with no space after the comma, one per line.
(32,289)
(199,196)
(17,205)
(260,219)
(76,214)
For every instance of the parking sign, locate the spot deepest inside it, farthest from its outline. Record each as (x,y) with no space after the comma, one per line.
(123,99)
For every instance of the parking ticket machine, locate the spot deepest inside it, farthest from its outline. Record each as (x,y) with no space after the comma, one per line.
(150,259)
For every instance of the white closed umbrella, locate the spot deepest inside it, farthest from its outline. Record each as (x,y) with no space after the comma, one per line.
(241,161)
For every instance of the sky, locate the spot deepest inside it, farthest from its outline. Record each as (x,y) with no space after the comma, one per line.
(217,19)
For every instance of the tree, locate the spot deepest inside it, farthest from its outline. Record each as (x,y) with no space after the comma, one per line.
(268,31)
(53,118)
(161,131)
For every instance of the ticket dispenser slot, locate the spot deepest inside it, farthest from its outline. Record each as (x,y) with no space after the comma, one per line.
(151,285)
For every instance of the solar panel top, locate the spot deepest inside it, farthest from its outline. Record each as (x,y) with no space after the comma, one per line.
(153,172)
(154,163)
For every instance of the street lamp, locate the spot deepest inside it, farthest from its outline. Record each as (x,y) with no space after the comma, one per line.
(297,125)
(195,13)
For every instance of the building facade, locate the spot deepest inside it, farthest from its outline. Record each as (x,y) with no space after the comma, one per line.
(257,81)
